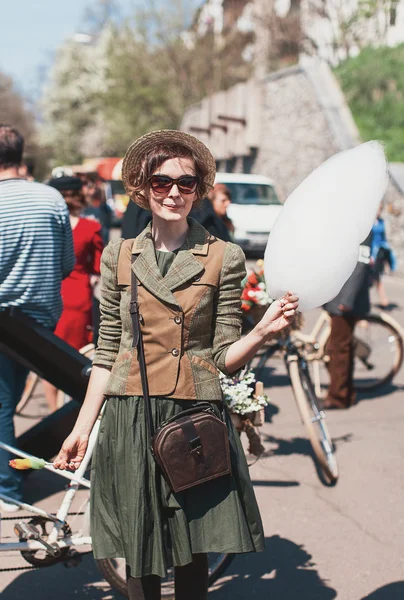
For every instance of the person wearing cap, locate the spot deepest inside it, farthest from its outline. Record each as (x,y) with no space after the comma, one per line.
(75,323)
(189,288)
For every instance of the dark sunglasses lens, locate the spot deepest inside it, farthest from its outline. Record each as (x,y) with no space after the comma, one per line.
(160,184)
(187,185)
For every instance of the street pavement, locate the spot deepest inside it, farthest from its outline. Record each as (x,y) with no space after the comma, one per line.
(343,542)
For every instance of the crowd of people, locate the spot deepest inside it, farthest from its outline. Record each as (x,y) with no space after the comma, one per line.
(189,275)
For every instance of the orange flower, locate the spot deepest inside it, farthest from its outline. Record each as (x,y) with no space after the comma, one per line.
(245,306)
(252,279)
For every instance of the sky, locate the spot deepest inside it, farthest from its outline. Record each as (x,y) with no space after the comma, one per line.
(31,31)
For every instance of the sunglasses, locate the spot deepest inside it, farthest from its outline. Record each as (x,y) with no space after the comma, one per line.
(162,184)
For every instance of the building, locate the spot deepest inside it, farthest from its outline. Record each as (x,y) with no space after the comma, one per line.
(330,29)
(284,125)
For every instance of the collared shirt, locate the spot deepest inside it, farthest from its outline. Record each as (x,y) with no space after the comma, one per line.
(36,249)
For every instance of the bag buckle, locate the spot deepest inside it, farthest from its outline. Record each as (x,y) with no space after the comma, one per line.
(195,444)
(134,307)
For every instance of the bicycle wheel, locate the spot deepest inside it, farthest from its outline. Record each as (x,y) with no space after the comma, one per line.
(378,351)
(30,385)
(113,570)
(313,417)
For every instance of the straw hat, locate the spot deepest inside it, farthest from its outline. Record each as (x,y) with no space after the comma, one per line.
(136,153)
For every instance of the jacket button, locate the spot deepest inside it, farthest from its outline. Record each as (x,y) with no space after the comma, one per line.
(175,352)
(177,320)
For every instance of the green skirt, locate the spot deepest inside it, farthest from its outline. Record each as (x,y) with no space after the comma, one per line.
(135,516)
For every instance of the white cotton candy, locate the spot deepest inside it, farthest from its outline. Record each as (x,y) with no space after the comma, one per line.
(313,246)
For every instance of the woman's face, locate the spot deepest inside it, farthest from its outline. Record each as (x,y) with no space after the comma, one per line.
(220,204)
(173,205)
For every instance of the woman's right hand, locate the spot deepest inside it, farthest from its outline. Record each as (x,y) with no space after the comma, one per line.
(72,452)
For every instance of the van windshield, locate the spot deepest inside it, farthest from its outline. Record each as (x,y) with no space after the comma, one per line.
(252,193)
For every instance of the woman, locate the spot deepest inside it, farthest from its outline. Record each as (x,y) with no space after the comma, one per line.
(95,207)
(220,198)
(189,300)
(75,323)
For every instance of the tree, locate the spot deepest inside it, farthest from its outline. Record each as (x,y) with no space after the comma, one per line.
(347,27)
(14,112)
(280,37)
(101,14)
(373,84)
(71,101)
(134,76)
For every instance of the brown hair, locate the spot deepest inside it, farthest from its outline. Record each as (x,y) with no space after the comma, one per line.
(11,147)
(217,189)
(139,182)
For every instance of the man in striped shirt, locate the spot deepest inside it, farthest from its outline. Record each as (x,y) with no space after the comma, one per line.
(36,253)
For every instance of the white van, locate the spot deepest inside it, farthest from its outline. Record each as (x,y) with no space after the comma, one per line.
(253,209)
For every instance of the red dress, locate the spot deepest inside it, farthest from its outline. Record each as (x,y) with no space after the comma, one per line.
(74,326)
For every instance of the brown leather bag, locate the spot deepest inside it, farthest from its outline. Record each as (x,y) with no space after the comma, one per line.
(191,447)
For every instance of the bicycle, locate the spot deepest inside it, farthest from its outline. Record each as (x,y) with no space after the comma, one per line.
(308,403)
(378,350)
(47,539)
(33,379)
(378,347)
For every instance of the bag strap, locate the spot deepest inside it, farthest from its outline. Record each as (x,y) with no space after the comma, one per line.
(138,343)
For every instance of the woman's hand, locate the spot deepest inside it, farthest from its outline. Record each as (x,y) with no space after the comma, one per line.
(279,315)
(72,452)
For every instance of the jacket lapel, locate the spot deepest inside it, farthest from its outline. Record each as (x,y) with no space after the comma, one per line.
(184,267)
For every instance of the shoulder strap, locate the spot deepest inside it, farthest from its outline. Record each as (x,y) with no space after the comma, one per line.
(138,342)
(124,262)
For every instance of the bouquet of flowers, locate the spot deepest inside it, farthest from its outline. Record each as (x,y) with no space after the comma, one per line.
(239,393)
(246,402)
(254,291)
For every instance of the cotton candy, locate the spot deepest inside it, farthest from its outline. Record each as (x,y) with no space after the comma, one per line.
(314,244)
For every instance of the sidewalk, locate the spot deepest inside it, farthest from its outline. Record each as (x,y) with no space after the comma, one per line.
(342,542)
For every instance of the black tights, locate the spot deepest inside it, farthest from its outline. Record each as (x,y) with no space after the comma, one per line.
(191,581)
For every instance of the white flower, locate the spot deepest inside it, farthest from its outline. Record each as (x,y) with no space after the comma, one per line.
(238,392)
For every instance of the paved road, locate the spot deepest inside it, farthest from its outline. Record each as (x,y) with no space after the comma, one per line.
(342,542)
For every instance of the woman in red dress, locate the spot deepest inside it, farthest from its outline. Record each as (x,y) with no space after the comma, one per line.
(74,326)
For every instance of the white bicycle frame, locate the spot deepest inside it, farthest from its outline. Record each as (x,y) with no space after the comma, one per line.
(76,480)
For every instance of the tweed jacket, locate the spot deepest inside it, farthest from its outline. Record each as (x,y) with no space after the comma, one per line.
(188,318)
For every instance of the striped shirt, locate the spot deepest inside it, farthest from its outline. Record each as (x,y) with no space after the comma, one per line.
(36,249)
